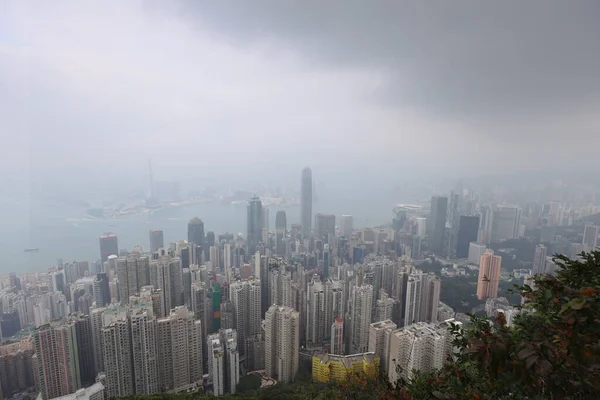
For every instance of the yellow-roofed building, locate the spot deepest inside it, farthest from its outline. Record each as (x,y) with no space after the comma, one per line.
(330,367)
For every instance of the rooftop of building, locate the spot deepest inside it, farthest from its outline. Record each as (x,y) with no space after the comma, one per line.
(347,361)
(83,393)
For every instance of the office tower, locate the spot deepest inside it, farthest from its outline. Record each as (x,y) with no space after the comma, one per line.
(306,198)
(166,274)
(179,345)
(108,246)
(421,347)
(117,353)
(436,225)
(324,226)
(208,242)
(246,297)
(489,275)
(85,347)
(453,223)
(97,345)
(539,260)
(227,261)
(379,336)
(186,279)
(506,221)
(346,226)
(56,345)
(202,308)
(282,342)
(214,253)
(590,238)
(337,336)
(101,290)
(196,232)
(467,233)
(430,298)
(476,250)
(133,272)
(255,224)
(384,307)
(360,318)
(280,232)
(216,364)
(328,368)
(156,240)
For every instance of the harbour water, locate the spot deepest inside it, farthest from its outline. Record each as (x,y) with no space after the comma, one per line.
(61,232)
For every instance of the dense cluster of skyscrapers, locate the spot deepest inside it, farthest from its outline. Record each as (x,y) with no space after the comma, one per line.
(199,313)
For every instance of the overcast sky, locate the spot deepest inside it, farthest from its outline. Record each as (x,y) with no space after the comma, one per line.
(475,86)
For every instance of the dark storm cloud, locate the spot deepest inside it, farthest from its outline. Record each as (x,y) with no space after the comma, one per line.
(472,58)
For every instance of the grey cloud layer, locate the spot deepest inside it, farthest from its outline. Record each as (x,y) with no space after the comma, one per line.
(475,58)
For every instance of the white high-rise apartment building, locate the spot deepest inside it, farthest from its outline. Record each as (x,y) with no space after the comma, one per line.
(280,288)
(590,237)
(179,343)
(129,349)
(117,348)
(227,261)
(379,336)
(282,343)
(324,303)
(166,274)
(422,347)
(246,299)
(232,359)
(133,273)
(539,260)
(216,364)
(360,318)
(385,306)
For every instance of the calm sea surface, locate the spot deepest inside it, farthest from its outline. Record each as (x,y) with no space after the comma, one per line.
(63,233)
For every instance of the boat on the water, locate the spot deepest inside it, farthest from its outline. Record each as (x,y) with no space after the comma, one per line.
(32,250)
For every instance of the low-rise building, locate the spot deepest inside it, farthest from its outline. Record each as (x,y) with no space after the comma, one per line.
(331,367)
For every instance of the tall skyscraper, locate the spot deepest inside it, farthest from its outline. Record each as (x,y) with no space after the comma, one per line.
(489,275)
(224,370)
(179,345)
(109,245)
(133,272)
(156,240)
(539,260)
(346,226)
(436,225)
(101,290)
(337,336)
(57,359)
(196,232)
(467,233)
(117,353)
(280,232)
(246,299)
(216,364)
(590,237)
(282,343)
(430,298)
(324,226)
(360,318)
(85,347)
(255,224)
(505,223)
(97,345)
(306,202)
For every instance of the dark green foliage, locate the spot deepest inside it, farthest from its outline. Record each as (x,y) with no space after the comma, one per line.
(248,383)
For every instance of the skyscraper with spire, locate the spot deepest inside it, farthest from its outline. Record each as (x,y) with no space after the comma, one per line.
(306,202)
